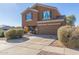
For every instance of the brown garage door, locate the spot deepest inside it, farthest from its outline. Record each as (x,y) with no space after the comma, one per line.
(48,28)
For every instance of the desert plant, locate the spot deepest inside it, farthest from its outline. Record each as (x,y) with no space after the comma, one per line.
(14,33)
(64,34)
(10,34)
(19,32)
(73,43)
(75,34)
(1,33)
(69,36)
(74,39)
(70,20)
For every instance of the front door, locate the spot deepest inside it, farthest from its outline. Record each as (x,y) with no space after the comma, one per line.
(32,29)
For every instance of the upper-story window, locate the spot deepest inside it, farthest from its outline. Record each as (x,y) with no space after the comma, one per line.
(46,15)
(29,16)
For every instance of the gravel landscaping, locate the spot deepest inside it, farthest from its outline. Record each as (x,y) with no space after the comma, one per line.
(34,45)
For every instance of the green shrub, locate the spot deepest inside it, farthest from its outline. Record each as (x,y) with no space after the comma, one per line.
(14,33)
(19,32)
(64,34)
(1,33)
(10,34)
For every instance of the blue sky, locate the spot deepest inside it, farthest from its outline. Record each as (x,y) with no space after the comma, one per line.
(10,13)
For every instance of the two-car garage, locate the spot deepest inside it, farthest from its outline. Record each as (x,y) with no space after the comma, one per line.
(50,27)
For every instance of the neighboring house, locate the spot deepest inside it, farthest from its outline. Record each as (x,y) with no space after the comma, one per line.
(46,19)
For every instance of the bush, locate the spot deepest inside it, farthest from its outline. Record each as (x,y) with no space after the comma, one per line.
(19,32)
(14,33)
(10,34)
(69,36)
(75,34)
(64,34)
(1,33)
(74,39)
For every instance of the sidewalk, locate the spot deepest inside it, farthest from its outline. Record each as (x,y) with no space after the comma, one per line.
(34,46)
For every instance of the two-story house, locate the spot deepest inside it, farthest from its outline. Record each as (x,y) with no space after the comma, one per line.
(46,19)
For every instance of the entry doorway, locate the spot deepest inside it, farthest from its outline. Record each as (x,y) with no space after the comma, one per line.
(32,29)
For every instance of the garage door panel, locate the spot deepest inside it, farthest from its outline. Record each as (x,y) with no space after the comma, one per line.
(51,29)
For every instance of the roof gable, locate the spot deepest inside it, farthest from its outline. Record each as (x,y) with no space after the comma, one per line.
(38,5)
(34,10)
(42,5)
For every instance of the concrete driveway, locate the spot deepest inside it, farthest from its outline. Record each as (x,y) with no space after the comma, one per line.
(33,45)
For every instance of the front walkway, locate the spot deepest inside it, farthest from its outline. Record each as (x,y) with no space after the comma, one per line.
(33,45)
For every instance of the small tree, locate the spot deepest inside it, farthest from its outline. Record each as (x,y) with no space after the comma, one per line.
(70,20)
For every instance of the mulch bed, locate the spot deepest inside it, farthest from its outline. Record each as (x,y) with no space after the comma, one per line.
(48,53)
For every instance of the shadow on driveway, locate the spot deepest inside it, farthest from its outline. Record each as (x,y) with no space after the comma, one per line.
(20,40)
(46,36)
